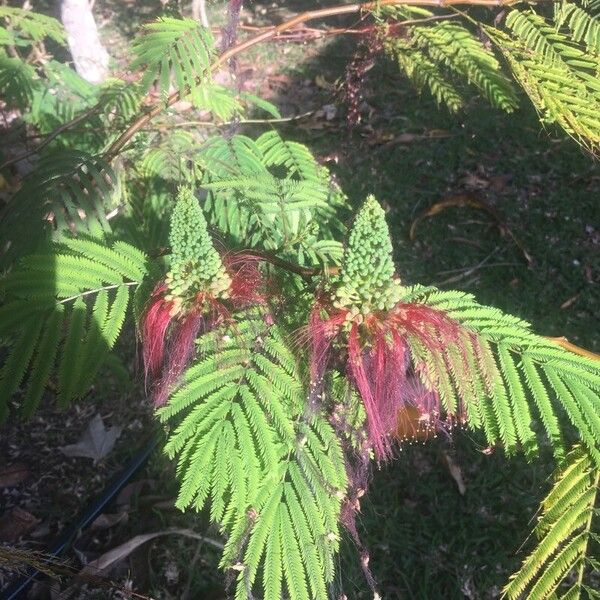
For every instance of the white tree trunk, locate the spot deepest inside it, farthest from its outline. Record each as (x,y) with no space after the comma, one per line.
(199,12)
(89,55)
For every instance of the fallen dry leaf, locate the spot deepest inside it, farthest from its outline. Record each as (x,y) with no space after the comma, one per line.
(124,550)
(569,302)
(13,475)
(107,520)
(95,443)
(455,472)
(16,523)
(469,201)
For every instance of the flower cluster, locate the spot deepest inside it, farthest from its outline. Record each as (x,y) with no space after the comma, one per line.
(197,293)
(362,315)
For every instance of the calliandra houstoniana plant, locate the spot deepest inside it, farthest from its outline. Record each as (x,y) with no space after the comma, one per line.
(383,340)
(199,291)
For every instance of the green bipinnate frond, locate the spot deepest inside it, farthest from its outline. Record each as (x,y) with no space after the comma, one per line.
(273,477)
(70,191)
(559,75)
(583,25)
(272,193)
(178,49)
(195,264)
(424,73)
(17,82)
(27,26)
(443,56)
(170,158)
(366,280)
(527,377)
(62,314)
(556,566)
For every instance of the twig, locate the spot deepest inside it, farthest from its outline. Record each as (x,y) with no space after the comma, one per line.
(238,122)
(317,32)
(52,136)
(96,290)
(563,342)
(307,273)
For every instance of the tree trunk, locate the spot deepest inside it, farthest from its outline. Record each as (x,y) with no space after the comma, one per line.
(89,55)
(199,12)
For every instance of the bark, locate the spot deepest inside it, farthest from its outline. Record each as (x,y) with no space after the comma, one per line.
(89,55)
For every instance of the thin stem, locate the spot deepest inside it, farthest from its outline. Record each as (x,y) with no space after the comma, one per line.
(52,136)
(236,122)
(96,290)
(563,342)
(307,273)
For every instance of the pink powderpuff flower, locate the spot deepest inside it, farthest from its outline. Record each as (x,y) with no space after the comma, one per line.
(380,363)
(169,329)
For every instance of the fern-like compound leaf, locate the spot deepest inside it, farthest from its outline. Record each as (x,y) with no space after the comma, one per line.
(272,193)
(526,371)
(556,566)
(442,55)
(178,51)
(28,26)
(558,74)
(17,82)
(63,313)
(69,191)
(273,477)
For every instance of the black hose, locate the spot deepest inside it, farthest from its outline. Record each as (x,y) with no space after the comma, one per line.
(87,517)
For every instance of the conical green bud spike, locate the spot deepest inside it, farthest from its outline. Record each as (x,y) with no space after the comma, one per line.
(367,268)
(195,264)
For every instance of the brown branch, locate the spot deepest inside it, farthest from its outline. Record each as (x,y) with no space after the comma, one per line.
(263,35)
(310,15)
(301,33)
(307,273)
(563,342)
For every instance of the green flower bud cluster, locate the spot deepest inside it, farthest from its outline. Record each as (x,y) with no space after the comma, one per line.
(195,264)
(366,281)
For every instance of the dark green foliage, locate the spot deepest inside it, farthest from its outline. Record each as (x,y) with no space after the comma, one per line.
(62,314)
(71,191)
